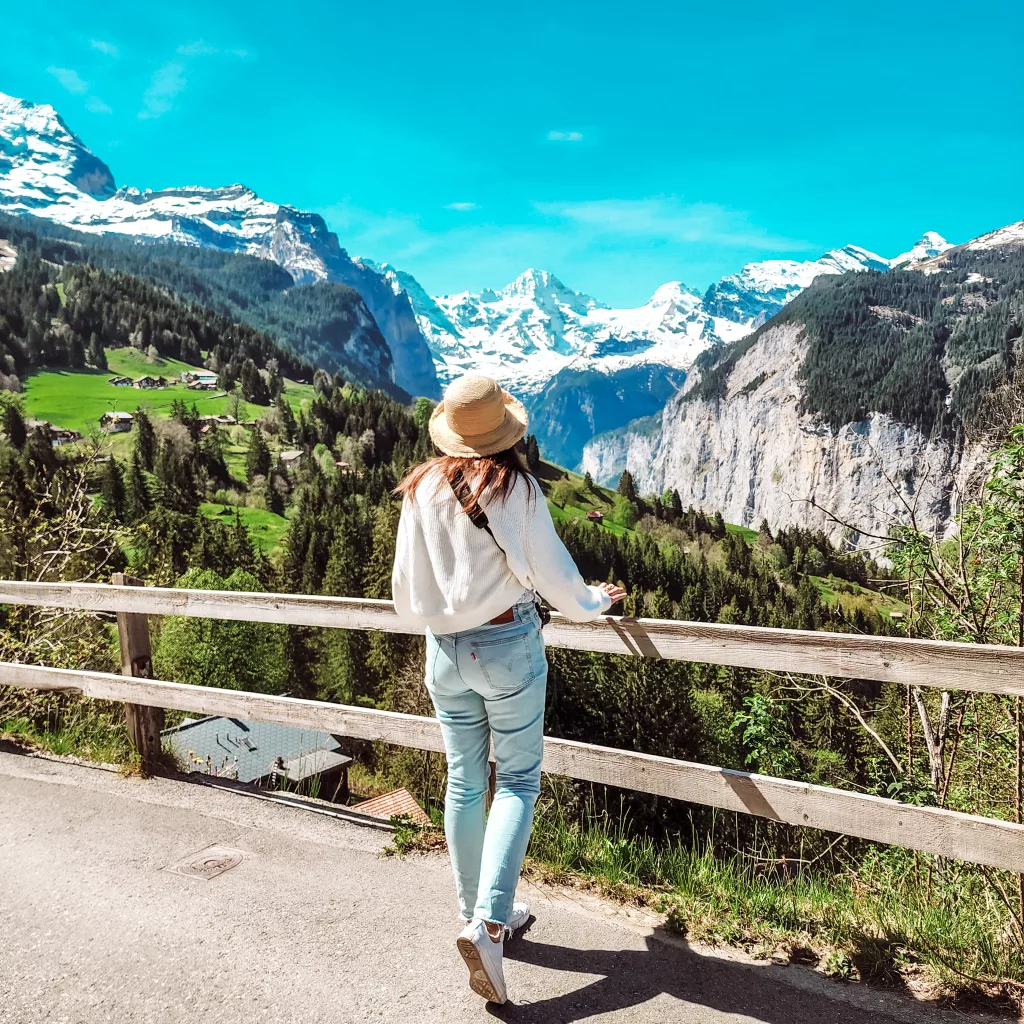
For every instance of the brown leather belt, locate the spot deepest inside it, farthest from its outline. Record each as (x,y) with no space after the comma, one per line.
(505,616)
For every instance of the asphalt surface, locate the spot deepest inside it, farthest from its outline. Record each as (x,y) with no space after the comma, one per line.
(314,925)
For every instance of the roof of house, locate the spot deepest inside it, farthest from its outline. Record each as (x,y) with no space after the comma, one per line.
(393,804)
(116,416)
(291,456)
(254,746)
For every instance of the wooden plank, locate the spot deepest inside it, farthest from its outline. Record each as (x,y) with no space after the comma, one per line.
(929,829)
(956,666)
(144,722)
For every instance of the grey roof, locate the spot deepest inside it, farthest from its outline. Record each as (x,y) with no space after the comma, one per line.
(317,763)
(249,749)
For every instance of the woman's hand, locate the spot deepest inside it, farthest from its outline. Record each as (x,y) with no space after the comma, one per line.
(614,592)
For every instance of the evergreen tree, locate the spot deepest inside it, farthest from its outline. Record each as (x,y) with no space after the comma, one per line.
(677,504)
(272,496)
(588,481)
(286,420)
(145,439)
(14,425)
(138,500)
(112,489)
(532,453)
(257,460)
(626,486)
(96,355)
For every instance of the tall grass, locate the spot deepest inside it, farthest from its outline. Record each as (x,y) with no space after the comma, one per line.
(887,917)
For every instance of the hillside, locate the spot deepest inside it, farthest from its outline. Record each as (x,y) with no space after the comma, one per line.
(325,324)
(49,173)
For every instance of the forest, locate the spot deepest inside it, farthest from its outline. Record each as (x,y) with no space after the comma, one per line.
(865,911)
(927,349)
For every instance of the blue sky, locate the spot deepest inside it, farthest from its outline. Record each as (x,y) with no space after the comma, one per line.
(618,145)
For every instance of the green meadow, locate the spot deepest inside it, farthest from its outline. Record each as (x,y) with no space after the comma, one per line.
(76,399)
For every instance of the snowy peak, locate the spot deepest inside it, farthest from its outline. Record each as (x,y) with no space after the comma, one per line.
(927,247)
(1012,235)
(42,161)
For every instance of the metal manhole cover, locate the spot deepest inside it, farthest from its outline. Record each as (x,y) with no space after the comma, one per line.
(209,863)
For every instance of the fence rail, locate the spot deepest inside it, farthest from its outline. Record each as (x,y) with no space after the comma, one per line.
(928,829)
(933,663)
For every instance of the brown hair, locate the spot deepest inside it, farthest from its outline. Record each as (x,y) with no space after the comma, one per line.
(496,474)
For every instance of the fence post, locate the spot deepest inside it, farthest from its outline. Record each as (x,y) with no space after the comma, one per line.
(144,723)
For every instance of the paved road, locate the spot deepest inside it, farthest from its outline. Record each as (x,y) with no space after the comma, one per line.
(315,926)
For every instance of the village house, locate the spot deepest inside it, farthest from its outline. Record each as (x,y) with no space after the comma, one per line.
(199,380)
(148,383)
(290,460)
(120,382)
(58,436)
(262,754)
(594,516)
(116,422)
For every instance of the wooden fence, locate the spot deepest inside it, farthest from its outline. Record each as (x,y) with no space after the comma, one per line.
(985,668)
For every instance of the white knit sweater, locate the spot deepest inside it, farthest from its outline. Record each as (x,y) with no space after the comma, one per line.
(450,575)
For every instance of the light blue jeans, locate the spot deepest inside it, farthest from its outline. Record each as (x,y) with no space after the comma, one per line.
(486,683)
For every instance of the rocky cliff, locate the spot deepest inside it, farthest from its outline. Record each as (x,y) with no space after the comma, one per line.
(752,454)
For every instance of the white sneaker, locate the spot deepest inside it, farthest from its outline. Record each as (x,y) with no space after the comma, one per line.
(483,958)
(520,915)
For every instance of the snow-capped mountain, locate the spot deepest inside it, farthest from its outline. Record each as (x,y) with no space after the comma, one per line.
(47,171)
(535,327)
(583,367)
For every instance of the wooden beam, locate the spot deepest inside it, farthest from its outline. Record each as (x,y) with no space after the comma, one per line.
(999,844)
(987,668)
(144,721)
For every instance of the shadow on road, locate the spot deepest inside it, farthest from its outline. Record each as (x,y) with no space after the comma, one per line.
(629,978)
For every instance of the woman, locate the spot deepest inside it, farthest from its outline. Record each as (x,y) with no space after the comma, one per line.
(476,544)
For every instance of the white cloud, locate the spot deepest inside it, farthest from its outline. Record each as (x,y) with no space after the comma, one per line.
(97,106)
(69,78)
(565,136)
(167,81)
(200,48)
(665,219)
(105,48)
(462,207)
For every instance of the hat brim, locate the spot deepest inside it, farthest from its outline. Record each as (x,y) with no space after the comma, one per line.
(509,432)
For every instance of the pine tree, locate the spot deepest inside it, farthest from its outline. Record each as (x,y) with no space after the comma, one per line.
(112,489)
(626,486)
(96,355)
(677,504)
(145,439)
(138,500)
(286,419)
(14,425)
(272,497)
(532,452)
(257,461)
(588,481)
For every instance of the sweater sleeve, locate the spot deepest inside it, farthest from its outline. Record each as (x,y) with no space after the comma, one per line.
(553,571)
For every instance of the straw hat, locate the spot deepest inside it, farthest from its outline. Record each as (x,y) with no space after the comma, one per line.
(477,417)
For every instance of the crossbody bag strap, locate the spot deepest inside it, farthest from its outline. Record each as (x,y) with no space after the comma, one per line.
(477,516)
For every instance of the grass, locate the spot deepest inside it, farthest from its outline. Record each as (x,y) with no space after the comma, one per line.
(76,399)
(879,922)
(596,498)
(266,529)
(745,532)
(852,597)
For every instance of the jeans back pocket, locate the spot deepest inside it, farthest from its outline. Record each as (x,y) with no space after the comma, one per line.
(506,663)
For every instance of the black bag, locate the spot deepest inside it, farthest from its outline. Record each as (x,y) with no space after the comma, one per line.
(478,517)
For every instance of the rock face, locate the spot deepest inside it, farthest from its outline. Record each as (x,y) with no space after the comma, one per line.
(754,455)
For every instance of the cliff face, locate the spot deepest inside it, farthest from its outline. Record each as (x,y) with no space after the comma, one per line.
(753,455)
